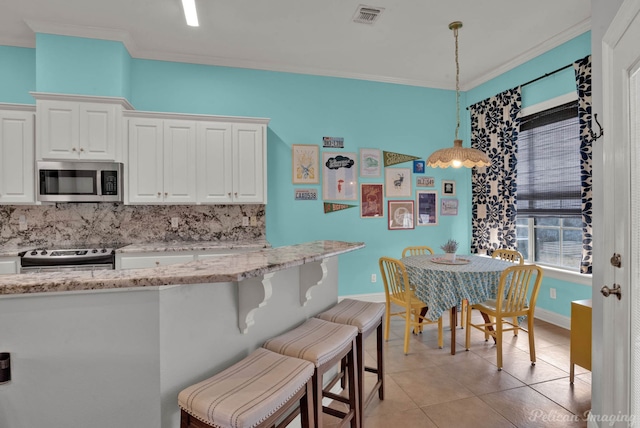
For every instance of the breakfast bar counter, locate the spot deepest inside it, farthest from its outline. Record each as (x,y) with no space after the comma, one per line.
(113,348)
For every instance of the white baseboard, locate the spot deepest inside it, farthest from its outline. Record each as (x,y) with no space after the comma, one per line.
(373,297)
(553,318)
(541,314)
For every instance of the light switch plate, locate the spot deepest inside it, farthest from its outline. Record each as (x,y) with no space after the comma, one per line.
(245,221)
(254,221)
(175,222)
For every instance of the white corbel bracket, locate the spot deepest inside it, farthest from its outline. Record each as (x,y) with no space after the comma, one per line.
(253,293)
(311,275)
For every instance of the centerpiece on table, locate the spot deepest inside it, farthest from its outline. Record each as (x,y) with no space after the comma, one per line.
(450,247)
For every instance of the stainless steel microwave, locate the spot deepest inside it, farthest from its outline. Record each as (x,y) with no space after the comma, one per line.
(70,181)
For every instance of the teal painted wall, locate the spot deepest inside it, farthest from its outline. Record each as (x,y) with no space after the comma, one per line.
(548,88)
(74,65)
(303,109)
(17,74)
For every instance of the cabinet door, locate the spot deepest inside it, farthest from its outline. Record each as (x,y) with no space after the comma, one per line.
(215,158)
(58,130)
(141,262)
(16,157)
(145,161)
(9,265)
(97,131)
(179,161)
(249,153)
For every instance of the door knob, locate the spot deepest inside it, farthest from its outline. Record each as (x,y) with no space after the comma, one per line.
(606,291)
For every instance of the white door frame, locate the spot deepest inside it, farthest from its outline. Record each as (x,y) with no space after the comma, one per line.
(618,228)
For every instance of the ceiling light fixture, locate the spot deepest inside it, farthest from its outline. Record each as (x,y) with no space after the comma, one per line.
(190,13)
(457,155)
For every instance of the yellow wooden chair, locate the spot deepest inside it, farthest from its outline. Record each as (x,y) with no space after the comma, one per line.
(418,250)
(512,301)
(513,256)
(399,292)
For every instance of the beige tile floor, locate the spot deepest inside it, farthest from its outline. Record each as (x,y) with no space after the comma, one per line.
(429,387)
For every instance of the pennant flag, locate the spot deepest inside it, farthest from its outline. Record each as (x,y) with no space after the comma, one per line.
(330,207)
(391,158)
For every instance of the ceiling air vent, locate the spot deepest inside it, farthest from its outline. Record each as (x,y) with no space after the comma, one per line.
(367,14)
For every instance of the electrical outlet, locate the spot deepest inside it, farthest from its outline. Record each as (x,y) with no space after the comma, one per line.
(245,221)
(374,278)
(552,293)
(22,223)
(174,222)
(254,221)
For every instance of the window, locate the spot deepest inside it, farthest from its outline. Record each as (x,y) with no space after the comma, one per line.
(549,219)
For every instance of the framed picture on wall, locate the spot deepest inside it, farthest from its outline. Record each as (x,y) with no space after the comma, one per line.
(418,167)
(448,188)
(397,182)
(427,201)
(449,206)
(304,164)
(370,161)
(371,201)
(400,215)
(339,176)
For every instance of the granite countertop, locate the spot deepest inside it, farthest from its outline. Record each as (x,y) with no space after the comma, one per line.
(12,251)
(228,268)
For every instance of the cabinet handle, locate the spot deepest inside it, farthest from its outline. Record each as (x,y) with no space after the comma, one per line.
(81,149)
(159,194)
(229,194)
(73,149)
(157,263)
(236,194)
(166,194)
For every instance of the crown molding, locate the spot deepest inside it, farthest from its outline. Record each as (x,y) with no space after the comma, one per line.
(546,46)
(126,38)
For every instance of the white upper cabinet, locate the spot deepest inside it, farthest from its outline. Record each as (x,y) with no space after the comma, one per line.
(162,157)
(17,185)
(193,159)
(231,163)
(75,127)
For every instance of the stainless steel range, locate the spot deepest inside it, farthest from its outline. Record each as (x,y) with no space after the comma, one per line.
(67,259)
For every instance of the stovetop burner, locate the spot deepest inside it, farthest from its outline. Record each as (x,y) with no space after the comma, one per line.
(70,256)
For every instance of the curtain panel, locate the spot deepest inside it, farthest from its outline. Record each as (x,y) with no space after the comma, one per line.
(583,85)
(495,123)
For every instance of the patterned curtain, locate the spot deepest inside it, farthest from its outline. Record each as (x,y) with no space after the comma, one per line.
(495,123)
(583,85)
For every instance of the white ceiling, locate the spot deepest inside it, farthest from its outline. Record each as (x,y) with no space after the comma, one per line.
(409,44)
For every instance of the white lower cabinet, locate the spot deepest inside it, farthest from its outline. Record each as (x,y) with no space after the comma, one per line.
(9,265)
(163,258)
(17,177)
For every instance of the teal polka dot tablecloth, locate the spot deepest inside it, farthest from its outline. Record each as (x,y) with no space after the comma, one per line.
(443,286)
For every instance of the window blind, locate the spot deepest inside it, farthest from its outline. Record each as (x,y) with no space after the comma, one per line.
(548,169)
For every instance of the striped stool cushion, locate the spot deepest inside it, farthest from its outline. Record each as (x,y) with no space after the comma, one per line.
(364,315)
(316,340)
(247,393)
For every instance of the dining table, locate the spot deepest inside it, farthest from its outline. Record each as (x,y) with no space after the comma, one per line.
(442,284)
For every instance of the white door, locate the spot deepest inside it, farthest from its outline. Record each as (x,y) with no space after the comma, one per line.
(97,131)
(616,327)
(16,157)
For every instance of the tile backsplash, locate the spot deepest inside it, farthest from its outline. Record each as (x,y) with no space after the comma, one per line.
(103,223)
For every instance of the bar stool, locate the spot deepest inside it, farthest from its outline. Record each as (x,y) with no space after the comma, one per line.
(324,344)
(255,392)
(367,317)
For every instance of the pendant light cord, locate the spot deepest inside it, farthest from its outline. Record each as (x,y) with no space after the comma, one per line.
(455,35)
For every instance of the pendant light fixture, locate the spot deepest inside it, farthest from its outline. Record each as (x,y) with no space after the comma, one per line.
(457,155)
